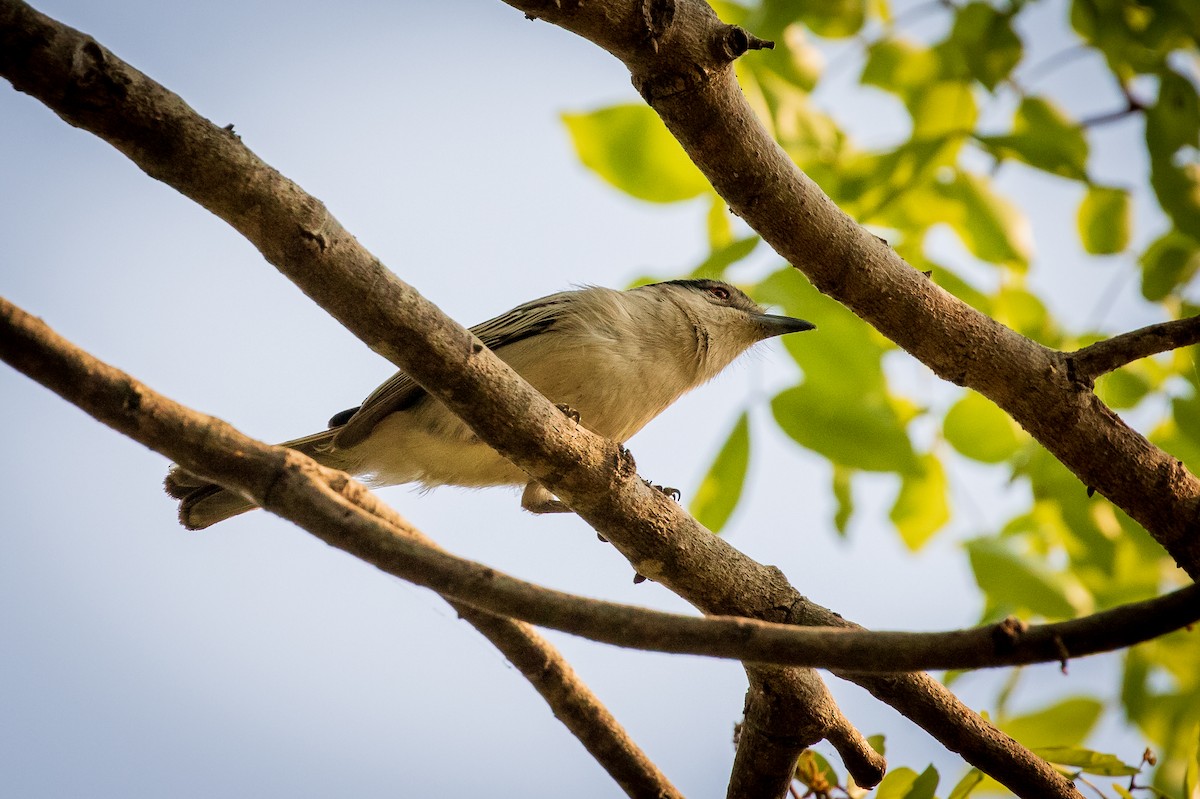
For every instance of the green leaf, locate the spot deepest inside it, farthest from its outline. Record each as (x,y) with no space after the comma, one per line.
(922,507)
(967,784)
(1013,581)
(988,44)
(1043,137)
(720,229)
(1172,137)
(904,783)
(1057,729)
(1191,774)
(722,258)
(629,147)
(990,226)
(1105,219)
(1085,759)
(1174,119)
(977,428)
(943,109)
(1122,389)
(844,496)
(721,488)
(833,19)
(868,436)
(900,66)
(1169,262)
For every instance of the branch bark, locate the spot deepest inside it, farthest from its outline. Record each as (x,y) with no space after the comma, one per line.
(1110,354)
(685,74)
(91,88)
(129,407)
(191,438)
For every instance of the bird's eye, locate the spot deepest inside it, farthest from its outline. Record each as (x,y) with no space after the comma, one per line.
(720,292)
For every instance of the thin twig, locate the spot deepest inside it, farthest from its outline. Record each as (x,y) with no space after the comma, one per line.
(1110,354)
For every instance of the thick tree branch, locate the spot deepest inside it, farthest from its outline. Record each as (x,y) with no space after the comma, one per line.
(196,440)
(1110,354)
(680,71)
(191,438)
(130,407)
(91,88)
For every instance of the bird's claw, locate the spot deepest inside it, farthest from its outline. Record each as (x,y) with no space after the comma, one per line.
(673,493)
(568,411)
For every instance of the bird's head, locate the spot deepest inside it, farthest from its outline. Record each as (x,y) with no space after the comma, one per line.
(726,322)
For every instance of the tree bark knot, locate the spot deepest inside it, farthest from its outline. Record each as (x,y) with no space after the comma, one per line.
(1007,634)
(100,80)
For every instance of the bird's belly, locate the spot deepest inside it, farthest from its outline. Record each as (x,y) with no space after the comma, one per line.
(433,448)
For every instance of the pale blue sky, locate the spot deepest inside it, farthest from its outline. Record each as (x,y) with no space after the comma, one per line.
(251,660)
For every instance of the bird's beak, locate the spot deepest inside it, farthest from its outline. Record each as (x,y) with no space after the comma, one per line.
(774,325)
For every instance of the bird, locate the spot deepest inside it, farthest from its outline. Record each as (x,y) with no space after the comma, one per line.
(612,360)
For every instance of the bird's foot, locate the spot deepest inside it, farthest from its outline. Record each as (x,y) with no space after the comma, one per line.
(568,411)
(673,493)
(536,499)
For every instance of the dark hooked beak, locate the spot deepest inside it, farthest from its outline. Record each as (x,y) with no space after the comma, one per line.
(774,325)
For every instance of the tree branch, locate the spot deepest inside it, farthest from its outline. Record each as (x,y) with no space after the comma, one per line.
(1110,354)
(121,402)
(195,440)
(692,86)
(190,438)
(91,88)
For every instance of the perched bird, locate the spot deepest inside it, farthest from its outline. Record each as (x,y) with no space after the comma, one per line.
(616,359)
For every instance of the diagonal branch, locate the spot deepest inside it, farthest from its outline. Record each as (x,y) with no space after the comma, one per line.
(129,407)
(188,437)
(1110,354)
(92,89)
(686,76)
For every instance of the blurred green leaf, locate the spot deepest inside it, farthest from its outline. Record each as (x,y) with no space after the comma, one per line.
(922,507)
(943,109)
(1169,262)
(1057,728)
(1085,759)
(1122,389)
(718,223)
(1043,137)
(1105,220)
(990,226)
(629,147)
(816,773)
(833,19)
(721,488)
(1173,139)
(977,428)
(1024,312)
(794,58)
(844,497)
(870,436)
(966,785)
(1191,775)
(904,783)
(900,66)
(987,41)
(1174,119)
(1012,580)
(721,258)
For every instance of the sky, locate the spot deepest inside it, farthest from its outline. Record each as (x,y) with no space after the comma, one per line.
(140,659)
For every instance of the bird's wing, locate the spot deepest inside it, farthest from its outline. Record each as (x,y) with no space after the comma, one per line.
(401,392)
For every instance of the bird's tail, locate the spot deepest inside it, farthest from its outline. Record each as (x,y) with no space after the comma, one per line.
(203,504)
